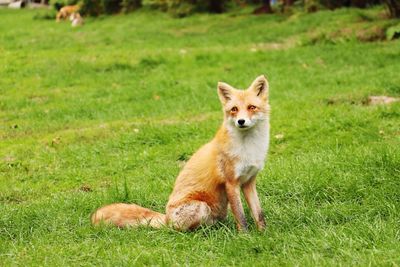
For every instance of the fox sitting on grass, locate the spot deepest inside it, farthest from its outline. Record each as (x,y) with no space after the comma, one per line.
(214,175)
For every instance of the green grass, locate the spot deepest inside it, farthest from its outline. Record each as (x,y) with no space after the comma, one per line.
(108,112)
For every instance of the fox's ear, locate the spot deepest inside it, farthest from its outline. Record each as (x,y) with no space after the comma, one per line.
(224,92)
(260,87)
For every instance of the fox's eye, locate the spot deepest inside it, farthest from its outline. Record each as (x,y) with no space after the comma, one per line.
(234,110)
(252,108)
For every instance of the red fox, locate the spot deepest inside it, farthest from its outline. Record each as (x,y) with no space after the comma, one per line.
(214,175)
(66,11)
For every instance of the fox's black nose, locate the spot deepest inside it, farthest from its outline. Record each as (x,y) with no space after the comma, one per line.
(241,122)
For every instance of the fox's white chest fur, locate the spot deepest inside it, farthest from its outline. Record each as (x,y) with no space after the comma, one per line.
(250,149)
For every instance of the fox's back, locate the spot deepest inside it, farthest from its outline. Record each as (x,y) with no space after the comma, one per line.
(200,179)
(70,9)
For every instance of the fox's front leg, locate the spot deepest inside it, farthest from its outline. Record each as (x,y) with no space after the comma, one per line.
(250,193)
(233,194)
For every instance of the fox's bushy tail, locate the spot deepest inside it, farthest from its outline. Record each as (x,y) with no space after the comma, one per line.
(122,215)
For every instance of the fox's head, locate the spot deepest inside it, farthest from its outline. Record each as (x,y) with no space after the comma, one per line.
(244,109)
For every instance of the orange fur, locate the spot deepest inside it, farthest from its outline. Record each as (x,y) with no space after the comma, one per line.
(66,11)
(121,214)
(215,174)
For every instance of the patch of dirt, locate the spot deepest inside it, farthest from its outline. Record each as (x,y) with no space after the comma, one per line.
(286,44)
(381,100)
(366,101)
(372,34)
(85,188)
(345,100)
(360,31)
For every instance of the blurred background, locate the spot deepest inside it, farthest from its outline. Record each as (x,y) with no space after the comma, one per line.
(182,8)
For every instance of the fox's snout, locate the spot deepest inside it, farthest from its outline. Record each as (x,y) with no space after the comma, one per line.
(243,123)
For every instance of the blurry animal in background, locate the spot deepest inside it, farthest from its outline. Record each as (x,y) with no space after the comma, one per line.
(66,11)
(76,19)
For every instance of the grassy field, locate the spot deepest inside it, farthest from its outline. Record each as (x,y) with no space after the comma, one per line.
(110,111)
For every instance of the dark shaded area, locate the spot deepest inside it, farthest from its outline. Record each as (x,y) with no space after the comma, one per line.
(183,8)
(394,8)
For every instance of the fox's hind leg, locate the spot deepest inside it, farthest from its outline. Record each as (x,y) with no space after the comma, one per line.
(190,215)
